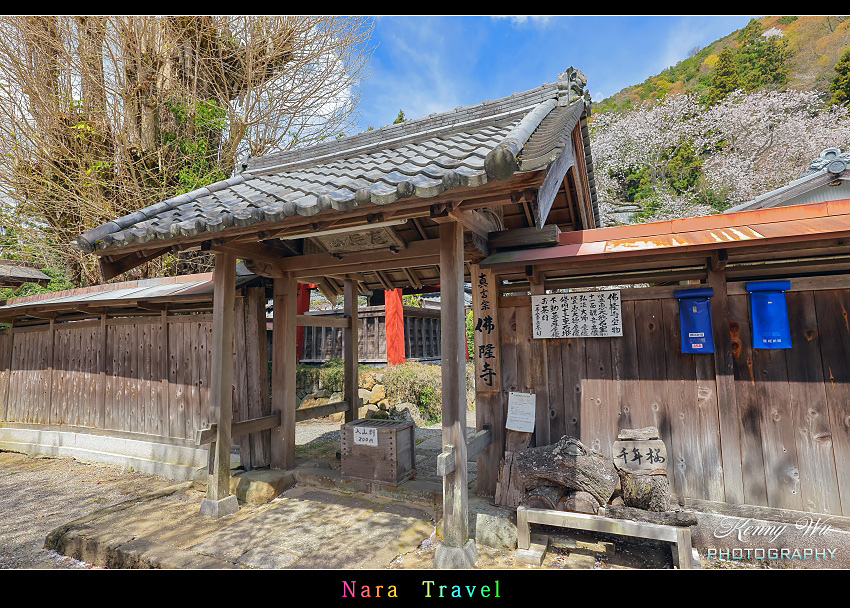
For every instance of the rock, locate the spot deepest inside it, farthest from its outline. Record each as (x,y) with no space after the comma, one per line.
(365,395)
(406,411)
(649,432)
(383,404)
(379,415)
(378,393)
(494,531)
(311,400)
(367,381)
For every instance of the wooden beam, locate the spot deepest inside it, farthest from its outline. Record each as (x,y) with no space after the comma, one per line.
(284,400)
(351,390)
(555,173)
(418,253)
(453,355)
(322,321)
(221,372)
(521,238)
(320,411)
(209,434)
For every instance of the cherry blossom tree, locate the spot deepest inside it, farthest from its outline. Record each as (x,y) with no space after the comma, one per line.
(748,144)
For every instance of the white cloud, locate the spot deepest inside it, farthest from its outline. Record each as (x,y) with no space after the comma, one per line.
(535,20)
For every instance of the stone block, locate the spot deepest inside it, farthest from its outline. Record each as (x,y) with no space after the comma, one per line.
(494,531)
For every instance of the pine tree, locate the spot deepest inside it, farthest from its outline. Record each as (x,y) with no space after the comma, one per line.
(761,61)
(840,87)
(724,79)
(399,118)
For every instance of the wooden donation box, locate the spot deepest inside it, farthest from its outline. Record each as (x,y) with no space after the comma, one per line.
(378,450)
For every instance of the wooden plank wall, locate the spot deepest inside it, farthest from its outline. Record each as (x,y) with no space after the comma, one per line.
(421,337)
(149,377)
(794,405)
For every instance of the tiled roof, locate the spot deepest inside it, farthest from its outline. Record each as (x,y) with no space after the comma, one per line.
(14,272)
(469,146)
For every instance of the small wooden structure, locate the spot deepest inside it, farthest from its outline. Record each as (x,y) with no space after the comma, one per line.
(122,372)
(408,205)
(419,335)
(14,273)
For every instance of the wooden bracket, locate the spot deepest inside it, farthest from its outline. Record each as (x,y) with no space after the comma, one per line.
(718,260)
(476,443)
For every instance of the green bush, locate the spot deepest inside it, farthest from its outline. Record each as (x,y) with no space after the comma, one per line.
(422,385)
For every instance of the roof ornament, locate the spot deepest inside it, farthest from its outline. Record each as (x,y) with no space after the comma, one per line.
(831,159)
(571,85)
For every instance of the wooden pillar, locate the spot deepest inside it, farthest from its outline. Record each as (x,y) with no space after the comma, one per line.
(456,549)
(284,399)
(726,396)
(302,307)
(394,312)
(219,501)
(349,351)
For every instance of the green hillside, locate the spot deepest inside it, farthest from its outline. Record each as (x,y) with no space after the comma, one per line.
(812,45)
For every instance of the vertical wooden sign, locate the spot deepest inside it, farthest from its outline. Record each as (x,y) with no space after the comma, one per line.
(485,319)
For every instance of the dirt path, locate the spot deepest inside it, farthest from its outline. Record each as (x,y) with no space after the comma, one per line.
(39,493)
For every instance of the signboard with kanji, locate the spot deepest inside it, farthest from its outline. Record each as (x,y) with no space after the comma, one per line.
(585,314)
(643,456)
(485,319)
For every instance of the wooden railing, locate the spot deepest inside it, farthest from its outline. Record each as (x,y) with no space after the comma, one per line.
(421,335)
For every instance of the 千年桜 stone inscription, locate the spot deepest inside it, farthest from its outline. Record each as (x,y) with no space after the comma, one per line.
(584,314)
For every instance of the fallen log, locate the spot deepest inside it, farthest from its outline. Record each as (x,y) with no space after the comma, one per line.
(543,497)
(578,502)
(568,463)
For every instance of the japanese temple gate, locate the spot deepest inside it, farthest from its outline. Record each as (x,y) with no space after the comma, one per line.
(407,205)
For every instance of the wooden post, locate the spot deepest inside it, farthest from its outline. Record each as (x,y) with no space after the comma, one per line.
(284,399)
(349,352)
(100,406)
(302,307)
(219,501)
(456,550)
(8,378)
(394,314)
(733,483)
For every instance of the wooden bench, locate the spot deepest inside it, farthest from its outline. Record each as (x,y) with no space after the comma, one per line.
(532,548)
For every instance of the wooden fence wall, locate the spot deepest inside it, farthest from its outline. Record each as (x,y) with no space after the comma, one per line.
(783,438)
(421,336)
(145,378)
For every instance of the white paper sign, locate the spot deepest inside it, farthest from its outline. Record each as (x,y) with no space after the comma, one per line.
(521,407)
(584,314)
(365,435)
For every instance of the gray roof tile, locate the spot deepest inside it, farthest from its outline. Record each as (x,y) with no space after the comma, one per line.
(423,158)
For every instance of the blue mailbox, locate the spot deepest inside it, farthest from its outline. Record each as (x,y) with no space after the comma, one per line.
(769,314)
(695,319)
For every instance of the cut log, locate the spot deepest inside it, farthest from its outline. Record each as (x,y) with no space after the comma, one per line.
(568,463)
(647,491)
(543,497)
(578,502)
(510,489)
(667,518)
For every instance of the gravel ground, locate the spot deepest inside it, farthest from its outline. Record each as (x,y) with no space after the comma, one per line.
(40,493)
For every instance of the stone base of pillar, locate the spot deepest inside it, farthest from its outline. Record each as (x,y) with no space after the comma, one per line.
(219,508)
(453,558)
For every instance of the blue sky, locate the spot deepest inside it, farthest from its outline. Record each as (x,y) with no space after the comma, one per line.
(424,64)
